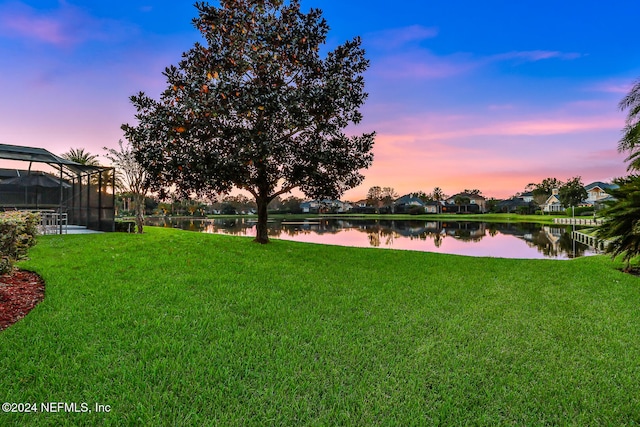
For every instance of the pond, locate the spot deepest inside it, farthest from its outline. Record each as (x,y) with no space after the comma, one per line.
(505,240)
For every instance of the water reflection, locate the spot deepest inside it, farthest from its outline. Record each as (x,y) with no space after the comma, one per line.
(508,240)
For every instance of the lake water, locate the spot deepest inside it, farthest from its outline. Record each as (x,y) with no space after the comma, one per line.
(505,240)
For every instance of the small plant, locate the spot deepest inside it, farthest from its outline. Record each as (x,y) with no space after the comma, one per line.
(18,232)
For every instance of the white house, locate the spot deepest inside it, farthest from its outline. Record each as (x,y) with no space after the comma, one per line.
(596,192)
(552,204)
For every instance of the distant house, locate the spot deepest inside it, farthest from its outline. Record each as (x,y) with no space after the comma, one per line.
(312,206)
(515,204)
(433,207)
(552,204)
(597,192)
(527,196)
(362,207)
(521,203)
(406,203)
(477,203)
(325,206)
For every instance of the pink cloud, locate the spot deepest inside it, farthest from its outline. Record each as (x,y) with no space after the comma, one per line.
(535,55)
(612,86)
(422,64)
(65,26)
(497,153)
(554,126)
(398,37)
(435,127)
(419,64)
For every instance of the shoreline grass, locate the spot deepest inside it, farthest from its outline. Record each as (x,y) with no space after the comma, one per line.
(179,328)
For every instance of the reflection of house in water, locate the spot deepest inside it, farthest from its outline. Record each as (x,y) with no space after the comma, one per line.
(466,231)
(409,229)
(553,234)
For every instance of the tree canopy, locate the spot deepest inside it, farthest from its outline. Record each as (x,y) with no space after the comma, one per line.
(621,227)
(572,192)
(79,155)
(132,178)
(257,108)
(630,140)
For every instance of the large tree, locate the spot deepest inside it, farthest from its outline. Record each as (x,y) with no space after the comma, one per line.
(630,140)
(543,190)
(572,192)
(79,155)
(438,195)
(257,108)
(374,196)
(104,178)
(389,195)
(132,178)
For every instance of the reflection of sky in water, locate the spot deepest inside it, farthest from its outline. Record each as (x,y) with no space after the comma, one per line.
(499,245)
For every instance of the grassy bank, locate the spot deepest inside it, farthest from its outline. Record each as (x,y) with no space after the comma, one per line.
(178,328)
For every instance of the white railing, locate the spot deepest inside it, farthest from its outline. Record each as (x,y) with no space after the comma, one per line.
(577,221)
(53,223)
(589,240)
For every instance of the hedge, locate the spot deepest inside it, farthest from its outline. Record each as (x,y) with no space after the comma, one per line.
(125,226)
(18,232)
(580,211)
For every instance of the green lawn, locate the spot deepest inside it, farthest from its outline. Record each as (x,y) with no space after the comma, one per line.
(179,328)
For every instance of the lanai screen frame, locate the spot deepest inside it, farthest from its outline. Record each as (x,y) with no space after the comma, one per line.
(76,173)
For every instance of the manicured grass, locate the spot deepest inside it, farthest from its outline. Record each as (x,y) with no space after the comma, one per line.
(177,328)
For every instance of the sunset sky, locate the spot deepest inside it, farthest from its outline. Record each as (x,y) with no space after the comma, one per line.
(464,94)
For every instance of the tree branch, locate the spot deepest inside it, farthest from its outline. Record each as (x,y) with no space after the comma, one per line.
(284,190)
(250,190)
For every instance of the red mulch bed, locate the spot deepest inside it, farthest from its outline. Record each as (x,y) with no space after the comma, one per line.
(20,291)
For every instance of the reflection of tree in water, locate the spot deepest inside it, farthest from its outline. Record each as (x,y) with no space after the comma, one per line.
(377,234)
(374,239)
(231,226)
(572,248)
(551,241)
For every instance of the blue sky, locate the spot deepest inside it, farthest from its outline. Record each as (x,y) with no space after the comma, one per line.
(490,95)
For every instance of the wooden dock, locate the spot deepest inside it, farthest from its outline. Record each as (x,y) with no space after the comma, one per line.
(577,221)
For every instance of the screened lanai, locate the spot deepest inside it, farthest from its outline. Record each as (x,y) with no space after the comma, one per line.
(68,192)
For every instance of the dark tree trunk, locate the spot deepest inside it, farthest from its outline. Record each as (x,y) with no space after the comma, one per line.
(262,236)
(139,201)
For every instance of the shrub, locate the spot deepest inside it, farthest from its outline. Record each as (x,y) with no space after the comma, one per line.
(580,211)
(125,226)
(416,210)
(18,232)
